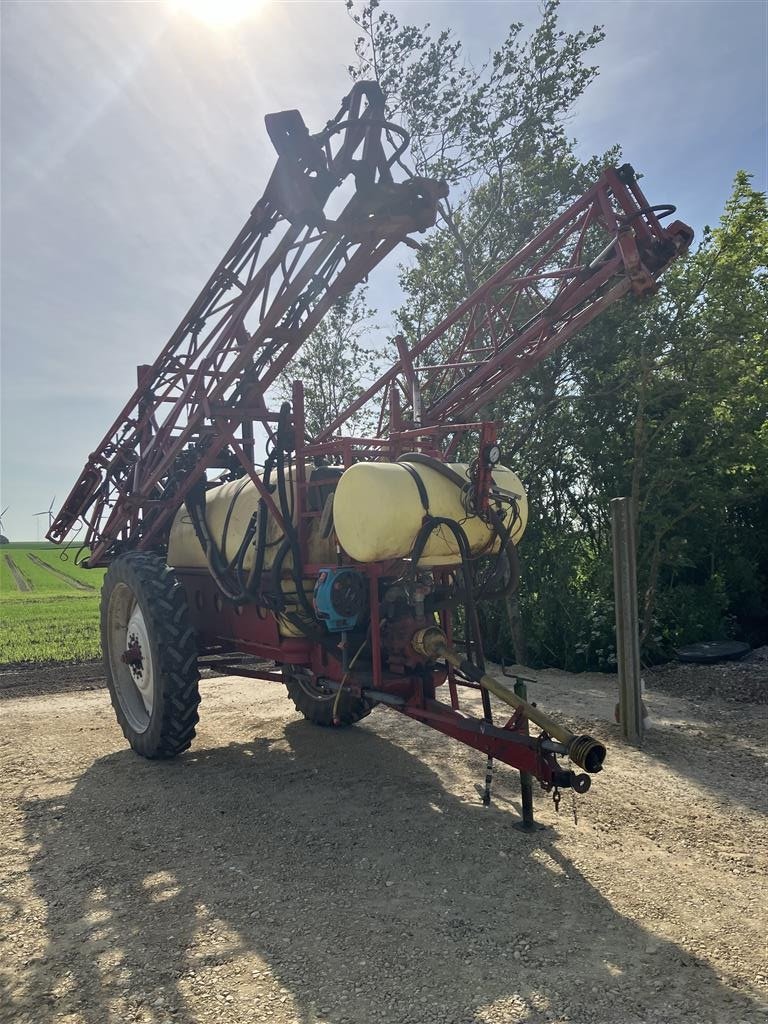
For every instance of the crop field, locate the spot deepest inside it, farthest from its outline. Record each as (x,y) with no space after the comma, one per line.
(49,607)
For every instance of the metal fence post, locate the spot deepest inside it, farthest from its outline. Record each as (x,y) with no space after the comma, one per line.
(627,624)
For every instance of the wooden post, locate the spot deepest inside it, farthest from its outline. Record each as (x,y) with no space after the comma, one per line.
(627,623)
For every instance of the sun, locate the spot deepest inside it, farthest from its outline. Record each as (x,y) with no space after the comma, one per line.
(218,13)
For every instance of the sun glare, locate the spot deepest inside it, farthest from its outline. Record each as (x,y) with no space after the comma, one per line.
(218,13)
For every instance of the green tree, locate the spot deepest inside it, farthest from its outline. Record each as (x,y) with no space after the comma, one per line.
(488,130)
(700,444)
(666,401)
(497,134)
(335,365)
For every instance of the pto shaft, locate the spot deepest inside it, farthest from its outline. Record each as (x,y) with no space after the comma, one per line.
(584,751)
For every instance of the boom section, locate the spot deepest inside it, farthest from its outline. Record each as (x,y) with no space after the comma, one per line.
(605,245)
(195,406)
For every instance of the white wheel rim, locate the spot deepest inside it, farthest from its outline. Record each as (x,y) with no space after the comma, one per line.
(142,671)
(130,657)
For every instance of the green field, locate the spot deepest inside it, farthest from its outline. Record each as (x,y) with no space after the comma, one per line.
(49,608)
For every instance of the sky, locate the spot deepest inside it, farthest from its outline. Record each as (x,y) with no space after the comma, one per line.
(133,147)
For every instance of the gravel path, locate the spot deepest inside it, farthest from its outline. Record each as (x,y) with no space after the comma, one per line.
(282,873)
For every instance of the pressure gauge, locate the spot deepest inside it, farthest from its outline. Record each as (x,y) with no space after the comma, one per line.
(493,454)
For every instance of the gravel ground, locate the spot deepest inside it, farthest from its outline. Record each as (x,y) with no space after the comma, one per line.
(282,873)
(744,681)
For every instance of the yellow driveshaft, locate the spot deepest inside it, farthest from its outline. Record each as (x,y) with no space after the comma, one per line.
(584,751)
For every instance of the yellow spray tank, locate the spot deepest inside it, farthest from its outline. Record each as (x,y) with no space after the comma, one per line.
(378,511)
(377,514)
(228,512)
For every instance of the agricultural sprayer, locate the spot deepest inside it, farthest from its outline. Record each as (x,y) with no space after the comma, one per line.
(347,568)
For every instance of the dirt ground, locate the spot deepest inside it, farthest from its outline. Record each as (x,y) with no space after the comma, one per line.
(278,872)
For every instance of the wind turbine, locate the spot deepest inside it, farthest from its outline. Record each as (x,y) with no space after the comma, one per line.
(2,528)
(48,512)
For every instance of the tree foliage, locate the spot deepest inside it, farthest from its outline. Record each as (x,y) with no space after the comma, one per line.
(488,130)
(665,401)
(335,364)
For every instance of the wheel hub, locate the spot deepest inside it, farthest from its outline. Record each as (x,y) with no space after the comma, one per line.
(133,657)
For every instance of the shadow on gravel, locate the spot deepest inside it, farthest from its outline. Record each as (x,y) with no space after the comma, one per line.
(342,863)
(721,758)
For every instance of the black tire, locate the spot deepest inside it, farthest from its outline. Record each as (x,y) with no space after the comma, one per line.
(150,655)
(712,651)
(316,703)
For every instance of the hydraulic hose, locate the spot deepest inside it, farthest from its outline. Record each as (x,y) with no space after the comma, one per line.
(228,519)
(221,572)
(254,576)
(450,474)
(510,550)
(212,554)
(284,443)
(505,536)
(470,610)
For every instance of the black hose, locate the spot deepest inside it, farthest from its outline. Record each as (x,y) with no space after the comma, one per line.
(510,553)
(228,518)
(283,445)
(496,520)
(439,467)
(470,607)
(450,474)
(475,649)
(254,576)
(195,505)
(277,602)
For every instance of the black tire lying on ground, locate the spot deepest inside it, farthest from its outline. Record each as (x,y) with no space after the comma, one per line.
(316,702)
(150,655)
(712,651)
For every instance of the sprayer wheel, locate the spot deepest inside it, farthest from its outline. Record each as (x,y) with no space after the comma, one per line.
(150,655)
(315,702)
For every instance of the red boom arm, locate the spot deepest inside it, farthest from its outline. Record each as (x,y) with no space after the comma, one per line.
(606,244)
(195,407)
(210,381)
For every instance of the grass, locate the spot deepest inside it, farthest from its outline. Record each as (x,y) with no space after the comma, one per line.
(90,577)
(31,545)
(54,621)
(38,628)
(7,582)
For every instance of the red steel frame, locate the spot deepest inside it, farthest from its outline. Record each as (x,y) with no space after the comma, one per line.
(550,289)
(212,377)
(197,406)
